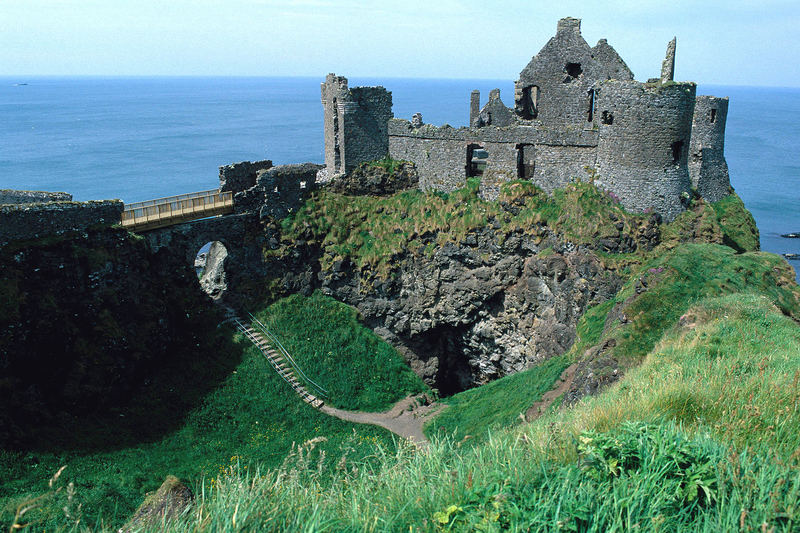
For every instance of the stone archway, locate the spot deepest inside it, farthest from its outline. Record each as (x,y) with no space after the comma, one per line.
(209,265)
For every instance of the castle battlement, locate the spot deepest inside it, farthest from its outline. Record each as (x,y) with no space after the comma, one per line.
(577,112)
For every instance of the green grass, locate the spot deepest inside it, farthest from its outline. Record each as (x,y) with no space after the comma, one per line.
(374,233)
(253,417)
(703,436)
(678,279)
(333,348)
(475,412)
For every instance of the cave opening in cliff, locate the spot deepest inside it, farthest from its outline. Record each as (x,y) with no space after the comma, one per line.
(453,373)
(209,265)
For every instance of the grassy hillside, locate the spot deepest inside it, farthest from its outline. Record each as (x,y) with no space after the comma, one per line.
(360,371)
(253,418)
(702,436)
(473,413)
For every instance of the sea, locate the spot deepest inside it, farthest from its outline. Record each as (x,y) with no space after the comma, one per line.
(139,138)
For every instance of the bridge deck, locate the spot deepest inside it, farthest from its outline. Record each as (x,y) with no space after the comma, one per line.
(153,214)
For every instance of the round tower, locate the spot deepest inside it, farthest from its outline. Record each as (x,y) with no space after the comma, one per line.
(643,144)
(707,166)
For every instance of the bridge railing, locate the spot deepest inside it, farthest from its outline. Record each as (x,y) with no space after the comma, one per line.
(160,212)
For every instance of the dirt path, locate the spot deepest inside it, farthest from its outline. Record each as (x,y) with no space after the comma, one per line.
(560,387)
(405,418)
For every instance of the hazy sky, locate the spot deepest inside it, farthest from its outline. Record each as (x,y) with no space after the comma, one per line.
(734,42)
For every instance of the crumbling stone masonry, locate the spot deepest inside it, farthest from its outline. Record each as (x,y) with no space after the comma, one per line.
(36,220)
(355,124)
(578,114)
(9,196)
(707,166)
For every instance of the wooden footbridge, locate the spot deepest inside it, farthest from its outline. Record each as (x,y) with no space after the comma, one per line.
(162,212)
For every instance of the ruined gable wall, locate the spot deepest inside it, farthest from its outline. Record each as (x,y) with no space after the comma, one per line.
(615,66)
(564,70)
(642,152)
(707,166)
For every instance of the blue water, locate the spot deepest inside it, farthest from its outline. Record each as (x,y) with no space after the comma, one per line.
(142,138)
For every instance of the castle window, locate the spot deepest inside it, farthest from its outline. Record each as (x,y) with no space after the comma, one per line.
(530,102)
(525,161)
(477,157)
(607,118)
(590,114)
(573,69)
(677,148)
(713,116)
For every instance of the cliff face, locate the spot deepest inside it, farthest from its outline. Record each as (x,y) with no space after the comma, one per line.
(466,303)
(86,321)
(479,309)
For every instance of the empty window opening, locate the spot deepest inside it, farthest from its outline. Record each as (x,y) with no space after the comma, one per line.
(477,157)
(526,162)
(573,69)
(713,116)
(590,114)
(337,152)
(530,102)
(209,265)
(677,149)
(607,118)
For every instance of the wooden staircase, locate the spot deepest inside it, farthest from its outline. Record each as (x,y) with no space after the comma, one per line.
(279,359)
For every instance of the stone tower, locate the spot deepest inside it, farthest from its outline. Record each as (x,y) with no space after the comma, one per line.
(644,142)
(355,124)
(707,166)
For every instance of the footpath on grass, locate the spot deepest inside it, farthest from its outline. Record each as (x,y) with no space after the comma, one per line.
(405,419)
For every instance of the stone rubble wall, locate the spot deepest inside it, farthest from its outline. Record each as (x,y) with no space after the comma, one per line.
(9,196)
(440,153)
(241,176)
(36,220)
(707,166)
(278,190)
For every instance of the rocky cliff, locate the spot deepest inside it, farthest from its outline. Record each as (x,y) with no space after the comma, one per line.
(471,290)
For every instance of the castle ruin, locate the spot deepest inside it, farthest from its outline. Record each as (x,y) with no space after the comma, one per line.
(578,113)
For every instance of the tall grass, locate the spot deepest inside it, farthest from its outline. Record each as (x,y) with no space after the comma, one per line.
(703,436)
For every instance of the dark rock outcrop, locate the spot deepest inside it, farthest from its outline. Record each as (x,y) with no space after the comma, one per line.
(474,311)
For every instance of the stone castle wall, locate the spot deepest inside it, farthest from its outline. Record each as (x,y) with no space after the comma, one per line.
(241,176)
(578,113)
(355,124)
(9,196)
(644,142)
(36,220)
(707,166)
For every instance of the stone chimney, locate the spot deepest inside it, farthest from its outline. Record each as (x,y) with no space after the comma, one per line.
(668,65)
(569,24)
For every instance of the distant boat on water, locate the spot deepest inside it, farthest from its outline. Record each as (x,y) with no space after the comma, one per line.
(795,235)
(19,84)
